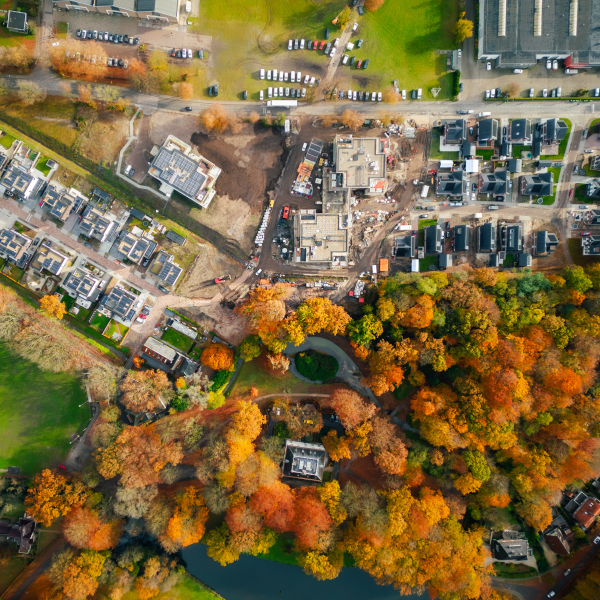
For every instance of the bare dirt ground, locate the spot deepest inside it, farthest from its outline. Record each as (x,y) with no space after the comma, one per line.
(210,264)
(554,262)
(219,319)
(251,162)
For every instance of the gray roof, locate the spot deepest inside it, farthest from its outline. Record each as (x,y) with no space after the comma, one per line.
(592,189)
(487,237)
(455,131)
(494,260)
(450,183)
(520,129)
(545,242)
(433,239)
(175,237)
(406,246)
(512,237)
(487,129)
(493,183)
(515,165)
(17,20)
(304,461)
(445,260)
(520,46)
(163,7)
(83,283)
(120,302)
(462,237)
(511,549)
(539,184)
(525,260)
(468,149)
(556,129)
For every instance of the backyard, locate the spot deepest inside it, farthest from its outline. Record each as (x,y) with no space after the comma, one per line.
(100,321)
(39,414)
(180,341)
(400,40)
(116,331)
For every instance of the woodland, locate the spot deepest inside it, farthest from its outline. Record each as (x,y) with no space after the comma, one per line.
(499,390)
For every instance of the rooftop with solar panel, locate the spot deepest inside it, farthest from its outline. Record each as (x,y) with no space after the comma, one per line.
(179,169)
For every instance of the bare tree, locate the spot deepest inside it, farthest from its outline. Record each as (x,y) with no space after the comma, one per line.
(134,502)
(30,92)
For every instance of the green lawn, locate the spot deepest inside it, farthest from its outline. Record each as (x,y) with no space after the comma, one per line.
(485,154)
(400,39)
(115,327)
(100,322)
(39,413)
(7,140)
(83,315)
(42,165)
(62,29)
(435,153)
(188,589)
(425,263)
(427,222)
(177,339)
(8,38)
(14,272)
(253,375)
(509,260)
(518,149)
(547,200)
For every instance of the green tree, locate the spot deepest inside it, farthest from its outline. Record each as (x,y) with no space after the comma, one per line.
(344,17)
(250,348)
(477,464)
(576,279)
(365,330)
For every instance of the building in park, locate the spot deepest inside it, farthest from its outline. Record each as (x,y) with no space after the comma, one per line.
(160,355)
(22,533)
(179,170)
(512,546)
(61,202)
(96,225)
(165,268)
(518,33)
(13,245)
(359,164)
(49,258)
(135,248)
(120,304)
(80,283)
(321,238)
(16,22)
(162,11)
(302,460)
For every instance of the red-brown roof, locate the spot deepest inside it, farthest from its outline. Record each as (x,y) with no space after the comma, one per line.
(587,512)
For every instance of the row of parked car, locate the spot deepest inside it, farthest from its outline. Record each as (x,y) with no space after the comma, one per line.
(116,38)
(92,58)
(293,77)
(361,96)
(186,53)
(348,59)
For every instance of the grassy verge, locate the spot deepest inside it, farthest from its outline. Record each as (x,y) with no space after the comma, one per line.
(38,415)
(177,339)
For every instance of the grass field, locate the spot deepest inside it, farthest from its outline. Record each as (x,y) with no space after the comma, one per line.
(183,342)
(7,140)
(38,413)
(400,39)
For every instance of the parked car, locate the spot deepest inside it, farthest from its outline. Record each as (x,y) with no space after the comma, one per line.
(544,93)
(184,53)
(355,95)
(558,92)
(290,44)
(310,45)
(245,95)
(302,44)
(296,44)
(583,206)
(367,94)
(571,194)
(379,97)
(361,11)
(352,60)
(517,71)
(359,43)
(327,33)
(567,572)
(366,63)
(261,95)
(585,234)
(548,64)
(597,540)
(596,92)
(403,94)
(488,66)
(531,92)
(551,595)
(425,216)
(95,34)
(492,93)
(554,65)
(136,41)
(304,92)
(360,95)
(78,34)
(358,64)
(322,45)
(487,94)
(189,108)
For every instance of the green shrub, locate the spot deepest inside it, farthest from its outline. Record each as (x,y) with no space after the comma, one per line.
(456,83)
(316,366)
(219,380)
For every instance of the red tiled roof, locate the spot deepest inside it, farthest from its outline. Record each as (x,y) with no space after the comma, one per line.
(587,512)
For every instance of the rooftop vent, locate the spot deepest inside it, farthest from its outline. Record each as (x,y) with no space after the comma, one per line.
(573,17)
(537,19)
(502,18)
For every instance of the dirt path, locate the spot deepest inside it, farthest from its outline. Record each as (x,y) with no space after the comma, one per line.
(334,62)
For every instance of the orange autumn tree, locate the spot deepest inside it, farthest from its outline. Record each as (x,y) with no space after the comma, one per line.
(52,496)
(52,306)
(186,524)
(83,528)
(217,357)
(80,578)
(146,391)
(276,504)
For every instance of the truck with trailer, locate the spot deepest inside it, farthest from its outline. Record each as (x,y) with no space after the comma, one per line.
(283,103)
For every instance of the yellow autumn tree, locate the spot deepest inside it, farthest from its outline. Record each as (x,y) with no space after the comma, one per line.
(52,306)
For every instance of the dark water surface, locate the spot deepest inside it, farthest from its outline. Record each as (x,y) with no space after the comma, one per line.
(252,578)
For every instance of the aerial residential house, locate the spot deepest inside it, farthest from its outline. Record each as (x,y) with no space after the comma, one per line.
(451,184)
(21,533)
(525,260)
(493,183)
(545,243)
(511,238)
(455,132)
(135,248)
(433,239)
(80,283)
(120,304)
(165,269)
(178,169)
(584,509)
(595,213)
(13,245)
(175,237)
(462,238)
(445,261)
(559,536)
(49,258)
(592,189)
(590,245)
(487,133)
(61,202)
(359,164)
(16,22)
(405,246)
(512,546)
(21,184)
(486,238)
(305,461)
(519,132)
(595,162)
(518,34)
(160,352)
(540,184)
(554,130)
(96,225)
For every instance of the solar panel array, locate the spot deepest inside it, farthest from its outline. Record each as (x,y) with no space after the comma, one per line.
(314,150)
(179,171)
(170,273)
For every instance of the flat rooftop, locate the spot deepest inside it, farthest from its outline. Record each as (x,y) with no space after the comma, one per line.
(323,237)
(360,163)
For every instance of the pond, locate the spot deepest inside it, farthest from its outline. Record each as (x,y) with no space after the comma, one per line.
(252,578)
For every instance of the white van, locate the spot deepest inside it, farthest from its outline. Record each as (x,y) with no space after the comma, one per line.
(403,94)
(493,207)
(258,272)
(269,92)
(345,59)
(261,95)
(293,76)
(332,53)
(355,27)
(262,73)
(419,93)
(269,74)
(275,92)
(274,74)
